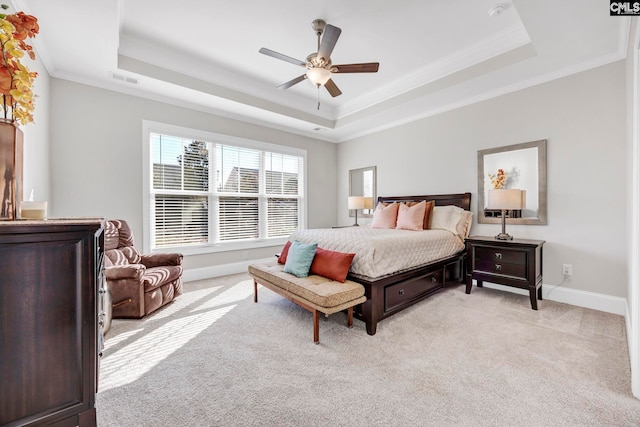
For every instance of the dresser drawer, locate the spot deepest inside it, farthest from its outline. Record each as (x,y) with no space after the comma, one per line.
(401,293)
(500,255)
(502,268)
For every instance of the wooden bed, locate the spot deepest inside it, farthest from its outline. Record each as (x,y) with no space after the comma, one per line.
(390,294)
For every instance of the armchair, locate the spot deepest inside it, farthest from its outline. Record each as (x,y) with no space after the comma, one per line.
(139,284)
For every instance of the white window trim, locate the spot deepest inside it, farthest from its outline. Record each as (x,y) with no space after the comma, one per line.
(149,127)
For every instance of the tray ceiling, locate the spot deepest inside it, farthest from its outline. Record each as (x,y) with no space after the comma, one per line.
(434,55)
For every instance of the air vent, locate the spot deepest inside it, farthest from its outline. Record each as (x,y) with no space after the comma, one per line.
(124,78)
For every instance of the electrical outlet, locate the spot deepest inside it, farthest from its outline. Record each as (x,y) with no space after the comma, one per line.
(567,269)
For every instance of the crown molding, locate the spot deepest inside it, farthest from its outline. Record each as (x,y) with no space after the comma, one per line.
(504,90)
(509,39)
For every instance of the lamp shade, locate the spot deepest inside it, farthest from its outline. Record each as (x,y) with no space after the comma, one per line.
(368,202)
(356,202)
(507,199)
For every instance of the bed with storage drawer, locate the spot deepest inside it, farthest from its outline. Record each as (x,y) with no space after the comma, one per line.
(399,267)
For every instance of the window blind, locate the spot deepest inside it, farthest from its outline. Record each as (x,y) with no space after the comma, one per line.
(246,194)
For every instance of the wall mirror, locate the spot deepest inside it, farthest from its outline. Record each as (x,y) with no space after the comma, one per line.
(525,168)
(362,182)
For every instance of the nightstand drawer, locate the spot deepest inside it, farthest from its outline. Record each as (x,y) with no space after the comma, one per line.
(401,293)
(500,255)
(502,268)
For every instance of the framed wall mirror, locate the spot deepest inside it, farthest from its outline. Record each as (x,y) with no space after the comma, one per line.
(520,166)
(362,182)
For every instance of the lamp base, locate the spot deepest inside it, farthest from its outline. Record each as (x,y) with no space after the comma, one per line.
(356,225)
(504,236)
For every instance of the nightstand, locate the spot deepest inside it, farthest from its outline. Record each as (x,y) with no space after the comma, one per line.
(516,263)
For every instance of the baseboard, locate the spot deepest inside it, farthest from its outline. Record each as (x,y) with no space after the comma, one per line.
(600,302)
(193,274)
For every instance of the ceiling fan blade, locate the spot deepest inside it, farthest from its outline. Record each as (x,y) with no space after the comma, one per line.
(290,83)
(329,39)
(282,57)
(369,67)
(332,88)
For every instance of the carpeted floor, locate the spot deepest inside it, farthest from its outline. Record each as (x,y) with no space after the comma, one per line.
(215,358)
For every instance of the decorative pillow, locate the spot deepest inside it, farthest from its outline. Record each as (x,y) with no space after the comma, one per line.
(299,258)
(427,212)
(385,216)
(446,217)
(283,253)
(464,225)
(332,265)
(411,218)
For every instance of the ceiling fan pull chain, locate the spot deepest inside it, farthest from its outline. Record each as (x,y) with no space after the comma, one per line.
(318,97)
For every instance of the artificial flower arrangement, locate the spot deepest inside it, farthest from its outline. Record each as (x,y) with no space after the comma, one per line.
(16,81)
(498,180)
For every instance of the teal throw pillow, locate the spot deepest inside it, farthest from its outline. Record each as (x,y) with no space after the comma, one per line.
(299,258)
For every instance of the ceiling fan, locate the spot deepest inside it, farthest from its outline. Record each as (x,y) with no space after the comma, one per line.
(318,64)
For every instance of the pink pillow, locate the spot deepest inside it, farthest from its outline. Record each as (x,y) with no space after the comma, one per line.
(385,216)
(282,259)
(332,265)
(411,217)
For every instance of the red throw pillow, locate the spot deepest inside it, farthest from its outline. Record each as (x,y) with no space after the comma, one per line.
(332,265)
(283,254)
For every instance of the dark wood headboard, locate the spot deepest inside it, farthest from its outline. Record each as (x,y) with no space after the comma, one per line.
(462,200)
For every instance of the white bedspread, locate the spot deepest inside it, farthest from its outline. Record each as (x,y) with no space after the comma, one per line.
(384,251)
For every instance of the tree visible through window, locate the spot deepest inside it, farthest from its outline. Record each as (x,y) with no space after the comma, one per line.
(249,194)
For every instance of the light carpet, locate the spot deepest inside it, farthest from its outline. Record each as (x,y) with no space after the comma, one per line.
(215,358)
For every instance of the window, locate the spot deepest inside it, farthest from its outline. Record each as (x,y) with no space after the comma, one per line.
(209,190)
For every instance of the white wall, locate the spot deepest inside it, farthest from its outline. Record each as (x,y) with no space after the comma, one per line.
(36,164)
(582,117)
(96,159)
(633,197)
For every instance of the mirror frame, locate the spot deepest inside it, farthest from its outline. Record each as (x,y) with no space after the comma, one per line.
(541,219)
(361,212)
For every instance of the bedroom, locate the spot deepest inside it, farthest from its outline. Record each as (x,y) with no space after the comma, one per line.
(85,157)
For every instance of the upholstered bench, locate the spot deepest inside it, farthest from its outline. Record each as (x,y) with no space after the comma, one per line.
(314,293)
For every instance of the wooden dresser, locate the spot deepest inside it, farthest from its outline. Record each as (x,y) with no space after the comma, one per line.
(516,263)
(50,273)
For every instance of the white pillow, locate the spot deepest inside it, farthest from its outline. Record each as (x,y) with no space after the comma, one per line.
(464,225)
(446,217)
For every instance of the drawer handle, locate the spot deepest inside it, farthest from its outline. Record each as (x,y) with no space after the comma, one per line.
(434,280)
(498,267)
(498,255)
(401,291)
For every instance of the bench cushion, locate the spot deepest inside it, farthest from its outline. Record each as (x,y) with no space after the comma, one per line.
(318,290)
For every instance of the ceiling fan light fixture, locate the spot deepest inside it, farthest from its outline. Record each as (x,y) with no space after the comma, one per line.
(318,76)
(319,67)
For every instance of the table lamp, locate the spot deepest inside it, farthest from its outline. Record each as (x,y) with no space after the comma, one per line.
(505,199)
(356,202)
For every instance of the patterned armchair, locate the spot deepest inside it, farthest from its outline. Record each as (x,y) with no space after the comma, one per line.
(139,284)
